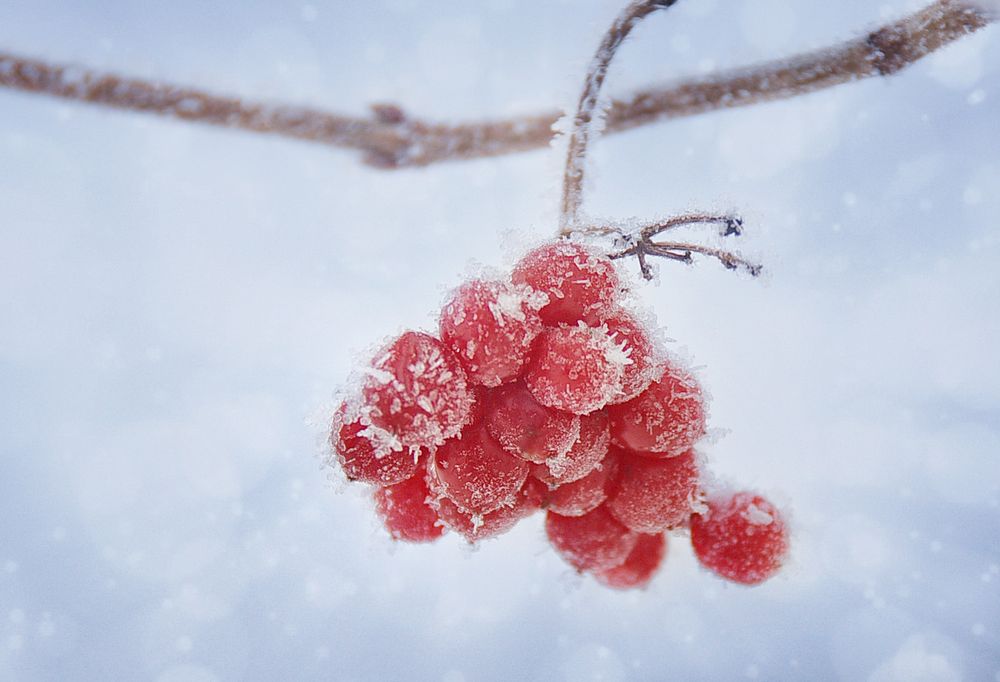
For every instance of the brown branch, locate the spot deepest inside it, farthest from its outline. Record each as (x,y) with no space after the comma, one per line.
(390,139)
(579,139)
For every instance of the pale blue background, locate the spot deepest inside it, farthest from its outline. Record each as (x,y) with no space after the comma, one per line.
(180,303)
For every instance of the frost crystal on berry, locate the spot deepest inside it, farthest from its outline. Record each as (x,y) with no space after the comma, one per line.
(639,567)
(592,542)
(576,369)
(653,495)
(587,452)
(665,420)
(406,513)
(586,494)
(474,527)
(741,537)
(490,326)
(641,369)
(526,428)
(578,280)
(475,472)
(366,453)
(418,391)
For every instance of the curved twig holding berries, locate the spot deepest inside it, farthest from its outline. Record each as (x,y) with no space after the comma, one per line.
(641,244)
(579,139)
(391,139)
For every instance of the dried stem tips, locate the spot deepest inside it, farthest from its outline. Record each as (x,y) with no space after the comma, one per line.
(641,243)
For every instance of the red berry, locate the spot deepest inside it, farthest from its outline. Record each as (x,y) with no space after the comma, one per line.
(629,334)
(475,473)
(653,495)
(741,537)
(586,494)
(476,527)
(526,428)
(405,512)
(587,452)
(578,280)
(592,542)
(490,326)
(665,420)
(639,567)
(418,391)
(365,454)
(576,369)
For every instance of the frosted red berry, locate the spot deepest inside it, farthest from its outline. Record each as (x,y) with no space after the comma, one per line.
(576,369)
(586,494)
(664,420)
(526,428)
(653,495)
(741,537)
(418,391)
(475,472)
(406,513)
(640,566)
(592,542)
(544,393)
(583,457)
(490,326)
(365,455)
(631,336)
(475,527)
(579,280)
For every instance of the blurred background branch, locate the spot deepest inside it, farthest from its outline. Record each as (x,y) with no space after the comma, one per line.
(390,138)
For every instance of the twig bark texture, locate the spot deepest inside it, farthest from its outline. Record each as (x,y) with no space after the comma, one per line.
(391,139)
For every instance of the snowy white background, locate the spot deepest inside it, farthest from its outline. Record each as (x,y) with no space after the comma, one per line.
(178,302)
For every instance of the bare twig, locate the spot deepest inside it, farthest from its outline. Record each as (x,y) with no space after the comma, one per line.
(730,224)
(391,139)
(579,139)
(641,243)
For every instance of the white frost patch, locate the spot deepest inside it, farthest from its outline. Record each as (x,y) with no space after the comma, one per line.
(618,354)
(508,304)
(380,375)
(383,442)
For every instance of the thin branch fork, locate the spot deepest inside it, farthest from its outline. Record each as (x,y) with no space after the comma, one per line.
(641,243)
(389,138)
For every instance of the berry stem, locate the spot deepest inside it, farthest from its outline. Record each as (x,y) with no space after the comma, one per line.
(576,154)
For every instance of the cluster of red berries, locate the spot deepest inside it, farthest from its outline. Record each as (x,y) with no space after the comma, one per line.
(543,392)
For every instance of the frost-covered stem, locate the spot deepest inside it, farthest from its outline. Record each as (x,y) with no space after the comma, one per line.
(576,153)
(641,245)
(732,225)
(391,139)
